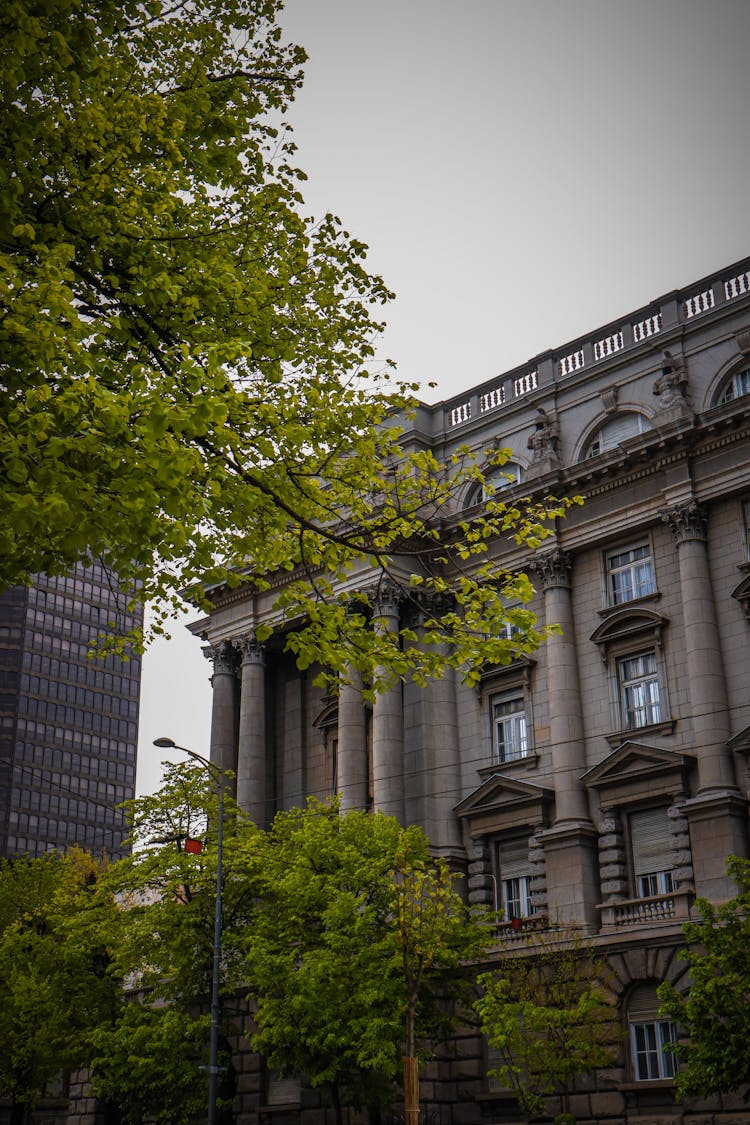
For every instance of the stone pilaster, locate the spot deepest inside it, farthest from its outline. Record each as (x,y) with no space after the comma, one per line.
(352,765)
(481,884)
(683,856)
(252,770)
(388,722)
(613,872)
(224,708)
(538,881)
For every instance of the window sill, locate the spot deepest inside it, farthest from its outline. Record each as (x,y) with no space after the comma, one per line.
(528,762)
(632,603)
(646,1084)
(618,737)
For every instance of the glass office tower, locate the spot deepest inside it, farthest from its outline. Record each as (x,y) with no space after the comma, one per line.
(68,721)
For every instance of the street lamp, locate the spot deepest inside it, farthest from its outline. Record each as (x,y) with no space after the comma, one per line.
(213,1051)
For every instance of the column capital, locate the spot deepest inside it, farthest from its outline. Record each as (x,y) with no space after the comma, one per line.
(554,568)
(386,599)
(687,522)
(251,651)
(223,656)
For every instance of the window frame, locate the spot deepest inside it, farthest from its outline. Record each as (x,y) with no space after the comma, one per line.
(517,718)
(594,447)
(663,1032)
(735,386)
(614,598)
(632,699)
(513,873)
(661,846)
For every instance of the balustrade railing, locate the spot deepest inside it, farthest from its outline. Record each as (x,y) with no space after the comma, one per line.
(671,907)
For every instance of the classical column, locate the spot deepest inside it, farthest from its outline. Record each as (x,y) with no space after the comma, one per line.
(717,815)
(351,765)
(388,722)
(224,705)
(438,766)
(252,782)
(563,689)
(705,670)
(570,845)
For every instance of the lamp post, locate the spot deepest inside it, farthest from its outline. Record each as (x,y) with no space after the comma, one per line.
(213,1050)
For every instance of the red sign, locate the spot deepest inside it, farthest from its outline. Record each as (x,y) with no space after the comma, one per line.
(193,847)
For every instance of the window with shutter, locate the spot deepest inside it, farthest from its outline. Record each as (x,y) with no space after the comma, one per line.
(651,847)
(616,430)
(649,1036)
(515,878)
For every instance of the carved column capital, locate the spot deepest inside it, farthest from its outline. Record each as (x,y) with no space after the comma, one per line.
(554,568)
(687,522)
(386,599)
(250,650)
(223,656)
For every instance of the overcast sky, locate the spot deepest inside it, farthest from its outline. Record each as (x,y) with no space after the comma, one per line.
(523,172)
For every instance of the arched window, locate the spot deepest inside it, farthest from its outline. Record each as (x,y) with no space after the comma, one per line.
(649,1036)
(736,386)
(500,476)
(615,430)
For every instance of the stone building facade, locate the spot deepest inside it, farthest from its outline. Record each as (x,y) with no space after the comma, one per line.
(602,782)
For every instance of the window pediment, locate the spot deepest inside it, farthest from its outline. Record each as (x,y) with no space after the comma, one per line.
(741,742)
(628,621)
(741,593)
(635,770)
(502,803)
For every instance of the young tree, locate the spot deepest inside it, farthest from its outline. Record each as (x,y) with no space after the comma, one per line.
(548,1018)
(713,1016)
(57,983)
(345,959)
(151,1061)
(182,350)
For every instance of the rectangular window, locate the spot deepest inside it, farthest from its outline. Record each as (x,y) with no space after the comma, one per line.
(648,1041)
(630,574)
(515,878)
(652,851)
(510,728)
(639,690)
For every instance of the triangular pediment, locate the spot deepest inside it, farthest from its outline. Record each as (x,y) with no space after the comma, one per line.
(500,793)
(741,741)
(636,761)
(742,595)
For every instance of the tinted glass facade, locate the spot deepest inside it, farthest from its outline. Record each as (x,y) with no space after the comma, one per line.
(68,722)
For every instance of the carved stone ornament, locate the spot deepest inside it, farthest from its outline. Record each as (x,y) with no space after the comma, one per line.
(554,568)
(687,522)
(252,652)
(223,657)
(386,599)
(543,444)
(609,399)
(671,386)
(743,340)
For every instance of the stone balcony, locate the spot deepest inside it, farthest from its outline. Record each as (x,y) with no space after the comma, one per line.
(671,907)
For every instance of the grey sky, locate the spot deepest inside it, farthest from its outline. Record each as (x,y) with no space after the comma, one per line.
(523,172)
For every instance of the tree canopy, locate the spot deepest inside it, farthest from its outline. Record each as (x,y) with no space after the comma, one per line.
(547,1018)
(57,981)
(346,961)
(713,1015)
(186,358)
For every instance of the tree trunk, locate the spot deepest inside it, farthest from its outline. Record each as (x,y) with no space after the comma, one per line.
(336,1099)
(411,1090)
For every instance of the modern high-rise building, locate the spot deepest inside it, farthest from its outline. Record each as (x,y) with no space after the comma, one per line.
(68,719)
(601,782)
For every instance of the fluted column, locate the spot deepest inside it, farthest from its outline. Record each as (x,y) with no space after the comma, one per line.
(705,670)
(570,846)
(352,744)
(252,782)
(224,705)
(388,723)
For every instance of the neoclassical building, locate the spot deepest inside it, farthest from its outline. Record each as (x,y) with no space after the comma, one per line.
(602,782)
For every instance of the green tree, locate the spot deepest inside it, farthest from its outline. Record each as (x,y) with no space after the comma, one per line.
(548,1018)
(345,960)
(57,983)
(150,1062)
(184,354)
(713,1016)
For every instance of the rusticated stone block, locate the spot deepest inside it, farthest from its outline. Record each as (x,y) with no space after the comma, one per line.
(607,1104)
